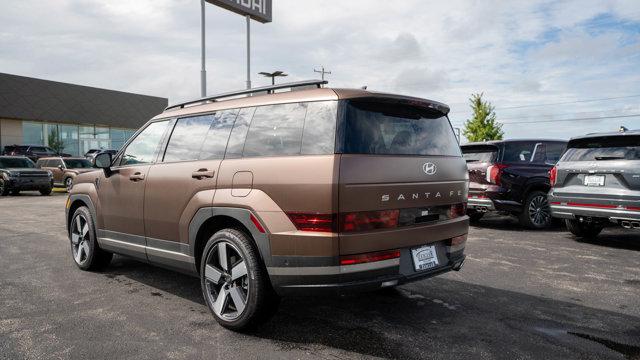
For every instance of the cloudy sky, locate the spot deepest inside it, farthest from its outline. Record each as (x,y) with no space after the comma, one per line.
(536,61)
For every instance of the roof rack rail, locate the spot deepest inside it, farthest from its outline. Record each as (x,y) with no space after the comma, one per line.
(268,89)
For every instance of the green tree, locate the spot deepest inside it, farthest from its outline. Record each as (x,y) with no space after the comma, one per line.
(483,125)
(54,141)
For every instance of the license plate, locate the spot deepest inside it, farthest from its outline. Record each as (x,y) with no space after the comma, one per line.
(424,257)
(594,180)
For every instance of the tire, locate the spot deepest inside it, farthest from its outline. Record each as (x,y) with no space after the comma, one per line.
(4,189)
(474,216)
(536,213)
(45,191)
(85,251)
(248,298)
(583,230)
(68,183)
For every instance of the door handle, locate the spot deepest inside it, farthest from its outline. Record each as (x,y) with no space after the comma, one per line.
(202,173)
(137,176)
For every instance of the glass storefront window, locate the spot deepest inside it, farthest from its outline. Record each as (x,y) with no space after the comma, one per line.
(87,132)
(69,137)
(32,133)
(102,132)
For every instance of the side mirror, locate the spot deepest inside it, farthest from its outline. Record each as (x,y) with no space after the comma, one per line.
(102,160)
(60,167)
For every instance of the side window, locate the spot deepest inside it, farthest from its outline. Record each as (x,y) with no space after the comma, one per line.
(215,142)
(41,163)
(55,163)
(142,149)
(320,128)
(276,130)
(239,133)
(187,137)
(518,152)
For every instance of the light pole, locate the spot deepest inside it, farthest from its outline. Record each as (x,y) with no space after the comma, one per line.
(203,70)
(273,75)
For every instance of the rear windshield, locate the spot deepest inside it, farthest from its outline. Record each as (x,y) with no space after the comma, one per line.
(532,152)
(78,163)
(611,148)
(7,163)
(485,154)
(387,128)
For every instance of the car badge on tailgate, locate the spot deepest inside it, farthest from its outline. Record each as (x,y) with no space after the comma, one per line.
(429,168)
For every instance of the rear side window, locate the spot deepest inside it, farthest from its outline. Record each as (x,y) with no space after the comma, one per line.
(215,142)
(518,152)
(605,148)
(479,154)
(187,138)
(390,128)
(239,133)
(319,135)
(276,130)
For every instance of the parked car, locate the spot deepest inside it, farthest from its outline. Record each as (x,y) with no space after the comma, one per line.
(93,152)
(295,192)
(597,183)
(19,173)
(33,152)
(512,176)
(64,170)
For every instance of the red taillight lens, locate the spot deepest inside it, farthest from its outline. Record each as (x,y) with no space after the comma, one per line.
(457,210)
(369,220)
(553,175)
(369,257)
(314,222)
(494,172)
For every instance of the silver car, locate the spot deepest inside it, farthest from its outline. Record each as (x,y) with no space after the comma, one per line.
(597,183)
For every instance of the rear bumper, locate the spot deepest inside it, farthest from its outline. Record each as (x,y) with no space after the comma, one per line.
(338,279)
(480,203)
(564,207)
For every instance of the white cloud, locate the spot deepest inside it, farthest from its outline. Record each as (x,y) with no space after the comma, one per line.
(515,52)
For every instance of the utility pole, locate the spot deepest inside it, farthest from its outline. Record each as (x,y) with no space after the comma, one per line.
(322,71)
(248,51)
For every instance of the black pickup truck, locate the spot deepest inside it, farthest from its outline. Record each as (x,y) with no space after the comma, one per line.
(512,176)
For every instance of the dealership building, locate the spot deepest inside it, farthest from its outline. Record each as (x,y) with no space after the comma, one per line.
(35,111)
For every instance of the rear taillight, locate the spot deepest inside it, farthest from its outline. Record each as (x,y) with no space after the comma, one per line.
(494,172)
(314,222)
(369,220)
(553,175)
(369,257)
(457,210)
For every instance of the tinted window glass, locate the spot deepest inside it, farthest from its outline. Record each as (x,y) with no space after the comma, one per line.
(276,130)
(479,154)
(397,129)
(554,152)
(609,148)
(218,135)
(6,163)
(78,163)
(518,152)
(239,133)
(187,137)
(54,162)
(320,128)
(143,148)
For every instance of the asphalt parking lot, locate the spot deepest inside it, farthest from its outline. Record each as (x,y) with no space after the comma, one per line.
(521,295)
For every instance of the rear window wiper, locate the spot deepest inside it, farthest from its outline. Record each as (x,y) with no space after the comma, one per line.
(609,157)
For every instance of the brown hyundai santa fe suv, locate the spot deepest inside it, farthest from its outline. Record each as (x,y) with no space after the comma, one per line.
(292,192)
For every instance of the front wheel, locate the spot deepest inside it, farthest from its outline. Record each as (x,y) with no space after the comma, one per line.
(68,183)
(234,283)
(536,213)
(474,216)
(4,189)
(582,229)
(84,246)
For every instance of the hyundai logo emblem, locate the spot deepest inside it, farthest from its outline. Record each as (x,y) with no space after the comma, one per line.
(429,168)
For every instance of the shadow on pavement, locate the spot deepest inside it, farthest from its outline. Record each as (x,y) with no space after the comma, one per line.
(436,318)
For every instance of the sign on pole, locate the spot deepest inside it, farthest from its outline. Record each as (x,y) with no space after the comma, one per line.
(258,10)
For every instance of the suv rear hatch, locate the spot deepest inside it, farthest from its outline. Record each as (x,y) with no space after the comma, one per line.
(402,178)
(478,159)
(600,171)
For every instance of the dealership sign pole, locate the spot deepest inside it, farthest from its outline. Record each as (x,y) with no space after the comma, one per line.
(258,10)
